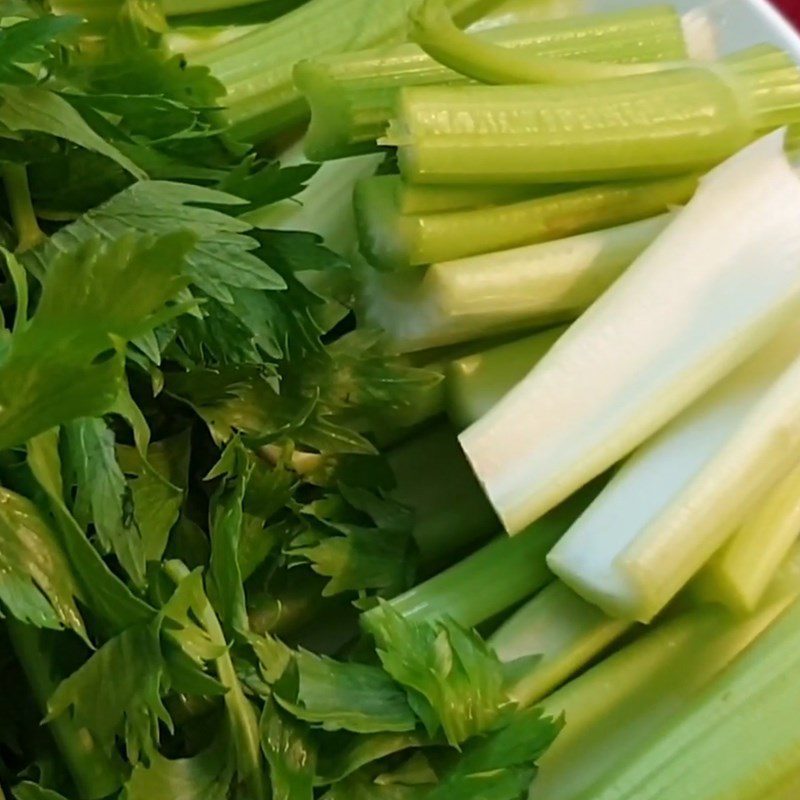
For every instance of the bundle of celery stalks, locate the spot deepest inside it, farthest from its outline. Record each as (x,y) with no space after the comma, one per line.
(399,399)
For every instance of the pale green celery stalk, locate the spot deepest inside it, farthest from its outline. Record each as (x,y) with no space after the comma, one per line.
(738,739)
(433,29)
(352,96)
(391,240)
(662,123)
(678,498)
(496,577)
(18,196)
(634,693)
(513,12)
(565,631)
(256,69)
(740,572)
(94,774)
(477,382)
(434,480)
(654,342)
(454,301)
(191,39)
(322,207)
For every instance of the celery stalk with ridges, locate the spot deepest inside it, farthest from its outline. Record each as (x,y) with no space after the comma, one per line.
(681,120)
(654,342)
(740,572)
(352,95)
(634,693)
(681,494)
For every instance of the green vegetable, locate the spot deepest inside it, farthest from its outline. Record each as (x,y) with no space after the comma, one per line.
(591,400)
(352,95)
(686,119)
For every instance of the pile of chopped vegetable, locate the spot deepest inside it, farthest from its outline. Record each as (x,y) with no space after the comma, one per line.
(399,399)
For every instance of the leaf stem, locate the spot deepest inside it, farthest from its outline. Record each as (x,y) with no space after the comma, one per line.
(29,234)
(93,772)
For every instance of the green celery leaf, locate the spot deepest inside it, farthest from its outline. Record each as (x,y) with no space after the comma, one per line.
(500,765)
(362,785)
(224,580)
(222,256)
(261,185)
(107,596)
(105,494)
(158,487)
(117,692)
(454,679)
(68,362)
(206,776)
(343,696)
(36,582)
(32,791)
(290,753)
(25,44)
(38,110)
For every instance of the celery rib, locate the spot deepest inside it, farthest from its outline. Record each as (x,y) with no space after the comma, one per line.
(352,96)
(661,123)
(256,69)
(390,240)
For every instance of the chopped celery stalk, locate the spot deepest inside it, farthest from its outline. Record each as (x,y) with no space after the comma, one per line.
(738,739)
(662,123)
(740,572)
(191,39)
(352,96)
(424,198)
(631,695)
(319,208)
(508,570)
(391,240)
(684,492)
(433,29)
(477,382)
(455,301)
(562,629)
(434,480)
(256,69)
(654,342)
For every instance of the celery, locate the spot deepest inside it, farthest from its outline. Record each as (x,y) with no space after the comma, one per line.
(740,572)
(434,480)
(352,96)
(191,39)
(476,382)
(256,69)
(511,12)
(565,632)
(684,492)
(509,570)
(473,297)
(737,740)
(662,123)
(391,240)
(181,7)
(631,695)
(659,338)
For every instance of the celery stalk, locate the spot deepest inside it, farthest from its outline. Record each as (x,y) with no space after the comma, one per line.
(352,96)
(187,40)
(740,572)
(434,480)
(737,740)
(472,297)
(512,12)
(632,695)
(391,240)
(684,492)
(654,342)
(319,208)
(662,123)
(477,382)
(562,629)
(257,69)
(508,570)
